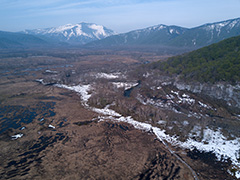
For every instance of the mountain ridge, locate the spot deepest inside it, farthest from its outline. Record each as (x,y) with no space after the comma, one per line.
(19,40)
(209,33)
(159,36)
(176,36)
(80,33)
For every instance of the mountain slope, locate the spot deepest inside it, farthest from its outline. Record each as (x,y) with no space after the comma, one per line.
(209,33)
(217,62)
(175,36)
(160,34)
(13,40)
(78,33)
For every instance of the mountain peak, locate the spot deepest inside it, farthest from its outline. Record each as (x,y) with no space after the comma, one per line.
(80,33)
(218,25)
(175,36)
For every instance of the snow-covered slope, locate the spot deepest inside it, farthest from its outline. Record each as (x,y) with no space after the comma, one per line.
(73,33)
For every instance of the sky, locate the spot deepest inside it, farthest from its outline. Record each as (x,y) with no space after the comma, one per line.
(118,15)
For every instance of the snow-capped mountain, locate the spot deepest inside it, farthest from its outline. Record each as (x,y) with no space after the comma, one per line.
(73,33)
(176,36)
(159,35)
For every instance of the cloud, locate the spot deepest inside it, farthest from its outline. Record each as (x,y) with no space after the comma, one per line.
(22,4)
(63,7)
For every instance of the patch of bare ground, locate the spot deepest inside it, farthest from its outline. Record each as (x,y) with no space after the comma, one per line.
(64,140)
(110,151)
(75,150)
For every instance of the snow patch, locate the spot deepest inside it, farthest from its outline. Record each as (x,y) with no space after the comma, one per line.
(162,122)
(147,74)
(17,136)
(175,92)
(40,81)
(232,24)
(60,28)
(50,71)
(186,99)
(51,126)
(125,85)
(194,42)
(237,174)
(99,30)
(108,76)
(214,141)
(204,105)
(185,123)
(106,111)
(195,132)
(82,90)
(166,83)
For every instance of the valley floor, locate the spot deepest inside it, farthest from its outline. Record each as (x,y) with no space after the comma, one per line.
(84,118)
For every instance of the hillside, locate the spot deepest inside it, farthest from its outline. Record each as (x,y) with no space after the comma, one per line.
(208,33)
(18,40)
(175,36)
(155,35)
(217,62)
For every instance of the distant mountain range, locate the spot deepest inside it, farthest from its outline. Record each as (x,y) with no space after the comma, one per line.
(81,33)
(99,36)
(67,35)
(19,40)
(175,36)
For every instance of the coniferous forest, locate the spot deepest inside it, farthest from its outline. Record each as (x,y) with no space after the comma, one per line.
(217,62)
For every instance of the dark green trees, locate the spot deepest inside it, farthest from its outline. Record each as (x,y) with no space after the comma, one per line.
(217,62)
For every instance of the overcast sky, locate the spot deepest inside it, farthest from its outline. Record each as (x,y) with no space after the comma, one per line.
(119,15)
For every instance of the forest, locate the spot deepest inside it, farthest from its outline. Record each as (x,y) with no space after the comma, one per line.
(214,63)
